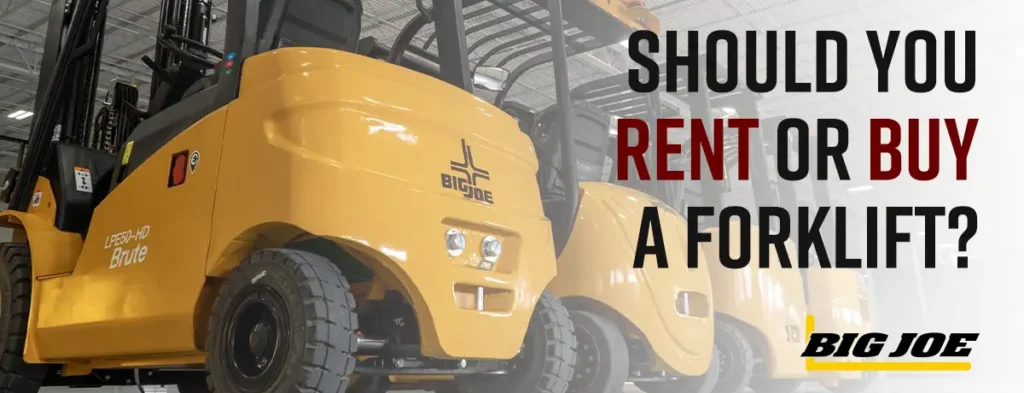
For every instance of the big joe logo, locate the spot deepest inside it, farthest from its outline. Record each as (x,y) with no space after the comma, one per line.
(467,183)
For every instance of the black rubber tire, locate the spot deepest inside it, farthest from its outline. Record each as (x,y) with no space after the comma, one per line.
(769,385)
(688,384)
(547,361)
(855,385)
(602,355)
(313,301)
(736,358)
(15,302)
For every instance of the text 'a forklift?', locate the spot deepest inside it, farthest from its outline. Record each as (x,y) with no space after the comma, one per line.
(124,253)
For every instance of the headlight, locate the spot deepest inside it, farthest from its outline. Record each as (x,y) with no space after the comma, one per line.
(455,241)
(490,249)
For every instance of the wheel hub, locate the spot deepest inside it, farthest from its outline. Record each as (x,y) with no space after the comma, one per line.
(588,360)
(257,337)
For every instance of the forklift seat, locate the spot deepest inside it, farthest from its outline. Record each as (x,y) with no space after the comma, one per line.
(332,24)
(591,135)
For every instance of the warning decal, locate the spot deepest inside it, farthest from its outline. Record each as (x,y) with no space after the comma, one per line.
(83,180)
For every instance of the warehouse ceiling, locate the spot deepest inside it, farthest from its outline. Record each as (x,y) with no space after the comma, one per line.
(132,26)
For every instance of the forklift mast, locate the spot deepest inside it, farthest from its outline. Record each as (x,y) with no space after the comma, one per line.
(68,82)
(67,87)
(189,18)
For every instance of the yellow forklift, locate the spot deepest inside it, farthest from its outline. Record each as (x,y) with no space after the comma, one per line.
(762,311)
(759,312)
(648,325)
(842,300)
(666,316)
(285,214)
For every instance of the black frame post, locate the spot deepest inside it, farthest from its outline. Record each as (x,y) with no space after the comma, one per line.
(51,48)
(821,195)
(570,178)
(765,191)
(451,44)
(712,192)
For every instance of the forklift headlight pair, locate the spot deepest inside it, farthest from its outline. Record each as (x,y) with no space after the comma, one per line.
(490,247)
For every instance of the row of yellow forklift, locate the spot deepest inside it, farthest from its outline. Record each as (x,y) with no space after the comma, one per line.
(293,214)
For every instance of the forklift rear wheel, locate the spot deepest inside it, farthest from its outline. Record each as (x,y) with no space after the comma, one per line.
(282,322)
(602,356)
(735,360)
(769,385)
(855,385)
(687,384)
(15,296)
(545,362)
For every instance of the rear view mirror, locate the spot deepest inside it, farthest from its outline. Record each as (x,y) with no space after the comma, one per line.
(490,78)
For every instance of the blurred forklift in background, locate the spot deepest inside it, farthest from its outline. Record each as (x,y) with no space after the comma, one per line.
(768,306)
(841,300)
(759,312)
(598,105)
(653,325)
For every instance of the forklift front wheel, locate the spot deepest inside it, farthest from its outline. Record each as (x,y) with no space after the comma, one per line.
(15,292)
(282,322)
(545,363)
(602,356)
(735,358)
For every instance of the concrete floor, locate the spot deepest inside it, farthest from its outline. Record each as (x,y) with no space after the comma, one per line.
(890,385)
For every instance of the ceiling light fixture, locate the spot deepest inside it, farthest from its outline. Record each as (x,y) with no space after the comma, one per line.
(24,116)
(15,114)
(860,188)
(625,44)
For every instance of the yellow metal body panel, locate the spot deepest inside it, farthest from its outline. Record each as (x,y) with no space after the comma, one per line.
(135,286)
(43,202)
(51,250)
(597,264)
(56,251)
(319,142)
(769,300)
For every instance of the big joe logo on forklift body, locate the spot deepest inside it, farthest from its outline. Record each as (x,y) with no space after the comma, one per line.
(467,185)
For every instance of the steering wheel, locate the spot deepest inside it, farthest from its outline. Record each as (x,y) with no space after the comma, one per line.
(173,43)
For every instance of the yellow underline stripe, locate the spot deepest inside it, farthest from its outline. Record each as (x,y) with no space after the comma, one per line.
(814,365)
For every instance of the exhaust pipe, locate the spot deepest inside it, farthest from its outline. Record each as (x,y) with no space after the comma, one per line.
(376,346)
(371,345)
